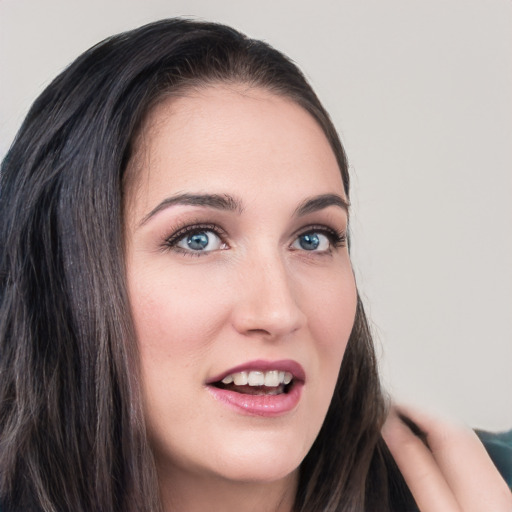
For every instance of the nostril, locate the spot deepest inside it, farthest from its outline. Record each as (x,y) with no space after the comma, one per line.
(259,332)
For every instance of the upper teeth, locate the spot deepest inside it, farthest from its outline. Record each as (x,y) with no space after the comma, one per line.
(272,378)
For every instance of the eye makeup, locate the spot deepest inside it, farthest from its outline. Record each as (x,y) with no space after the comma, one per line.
(195,228)
(335,239)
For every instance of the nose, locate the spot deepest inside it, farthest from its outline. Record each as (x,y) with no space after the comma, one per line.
(267,300)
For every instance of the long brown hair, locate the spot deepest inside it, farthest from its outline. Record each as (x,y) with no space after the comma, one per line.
(72,433)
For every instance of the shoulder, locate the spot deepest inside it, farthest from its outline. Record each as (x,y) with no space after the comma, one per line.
(499,448)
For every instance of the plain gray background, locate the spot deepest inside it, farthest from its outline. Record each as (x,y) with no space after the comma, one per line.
(421,95)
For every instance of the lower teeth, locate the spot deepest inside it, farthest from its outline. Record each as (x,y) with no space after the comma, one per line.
(256,390)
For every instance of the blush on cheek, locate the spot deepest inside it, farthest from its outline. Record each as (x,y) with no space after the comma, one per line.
(172,325)
(332,318)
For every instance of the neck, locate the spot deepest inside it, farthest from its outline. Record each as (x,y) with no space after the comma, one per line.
(191,493)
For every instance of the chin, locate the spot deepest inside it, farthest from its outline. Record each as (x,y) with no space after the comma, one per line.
(248,459)
(257,472)
(266,470)
(261,462)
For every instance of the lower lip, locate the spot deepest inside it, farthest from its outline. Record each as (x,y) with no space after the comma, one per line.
(259,405)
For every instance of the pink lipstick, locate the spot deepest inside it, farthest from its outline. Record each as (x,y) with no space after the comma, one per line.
(261,387)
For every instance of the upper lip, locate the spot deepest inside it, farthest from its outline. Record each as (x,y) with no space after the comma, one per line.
(285,365)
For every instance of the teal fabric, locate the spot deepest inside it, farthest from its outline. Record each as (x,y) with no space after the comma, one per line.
(499,448)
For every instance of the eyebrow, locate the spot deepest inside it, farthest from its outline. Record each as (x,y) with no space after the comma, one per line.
(229,203)
(320,202)
(216,201)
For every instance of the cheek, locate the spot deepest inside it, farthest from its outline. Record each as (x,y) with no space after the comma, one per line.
(331,311)
(176,325)
(331,318)
(174,317)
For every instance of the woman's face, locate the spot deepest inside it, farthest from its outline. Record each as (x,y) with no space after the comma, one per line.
(238,275)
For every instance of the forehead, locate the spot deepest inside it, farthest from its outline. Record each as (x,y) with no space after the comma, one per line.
(232,137)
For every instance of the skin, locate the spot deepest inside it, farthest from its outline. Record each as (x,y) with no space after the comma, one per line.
(256,295)
(448,469)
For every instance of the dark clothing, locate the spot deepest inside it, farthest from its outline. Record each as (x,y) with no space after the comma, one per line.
(499,448)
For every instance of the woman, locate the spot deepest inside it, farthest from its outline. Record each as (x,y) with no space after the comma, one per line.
(180,324)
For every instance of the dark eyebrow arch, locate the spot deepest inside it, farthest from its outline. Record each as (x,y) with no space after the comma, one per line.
(316,203)
(216,201)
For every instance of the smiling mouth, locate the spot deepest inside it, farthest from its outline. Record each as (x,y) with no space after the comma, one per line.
(273,382)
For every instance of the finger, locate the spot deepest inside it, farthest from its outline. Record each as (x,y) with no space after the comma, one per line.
(464,463)
(418,467)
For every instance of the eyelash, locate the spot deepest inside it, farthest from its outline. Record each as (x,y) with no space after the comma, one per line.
(170,243)
(336,238)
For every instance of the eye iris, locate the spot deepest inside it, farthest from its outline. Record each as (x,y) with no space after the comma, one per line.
(198,241)
(309,242)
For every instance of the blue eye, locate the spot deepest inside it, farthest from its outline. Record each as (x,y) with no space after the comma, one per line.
(199,241)
(309,242)
(312,241)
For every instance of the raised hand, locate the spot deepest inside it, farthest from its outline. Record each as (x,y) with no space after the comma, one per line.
(445,466)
